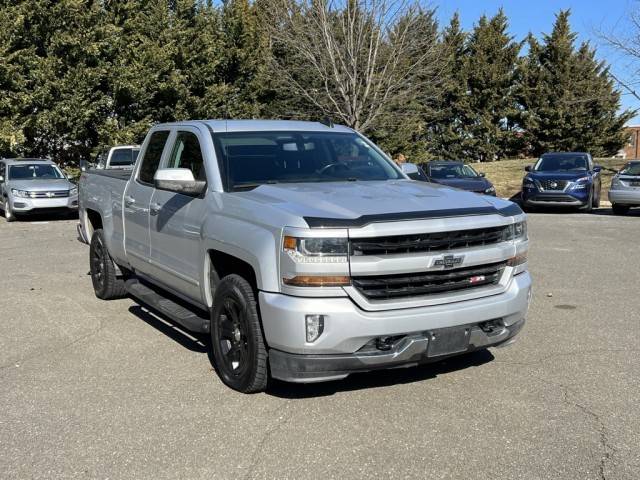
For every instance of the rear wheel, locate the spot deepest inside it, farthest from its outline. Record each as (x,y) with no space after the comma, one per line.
(596,200)
(619,209)
(106,283)
(239,351)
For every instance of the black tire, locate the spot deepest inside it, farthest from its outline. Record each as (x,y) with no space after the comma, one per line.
(106,283)
(619,209)
(238,347)
(588,208)
(9,216)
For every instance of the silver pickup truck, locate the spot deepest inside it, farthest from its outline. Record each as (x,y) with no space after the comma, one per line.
(304,251)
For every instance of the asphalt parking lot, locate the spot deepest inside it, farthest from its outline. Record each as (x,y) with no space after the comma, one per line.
(93,389)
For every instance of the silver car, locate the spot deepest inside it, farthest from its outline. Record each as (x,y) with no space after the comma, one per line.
(625,188)
(35,186)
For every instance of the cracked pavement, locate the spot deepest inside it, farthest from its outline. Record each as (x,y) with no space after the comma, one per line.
(93,389)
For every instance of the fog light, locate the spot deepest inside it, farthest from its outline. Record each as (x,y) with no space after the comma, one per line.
(315,326)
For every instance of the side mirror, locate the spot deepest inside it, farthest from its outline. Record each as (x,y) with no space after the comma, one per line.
(597,168)
(179,180)
(1,179)
(527,168)
(409,168)
(482,174)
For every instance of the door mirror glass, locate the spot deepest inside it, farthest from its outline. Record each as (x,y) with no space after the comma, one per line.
(409,168)
(482,174)
(597,168)
(178,180)
(527,168)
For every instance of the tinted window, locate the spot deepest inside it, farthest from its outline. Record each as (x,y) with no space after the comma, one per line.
(253,158)
(31,171)
(187,154)
(152,156)
(452,170)
(121,157)
(556,163)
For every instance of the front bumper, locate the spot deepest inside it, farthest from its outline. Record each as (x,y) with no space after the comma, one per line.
(556,199)
(32,205)
(625,197)
(343,348)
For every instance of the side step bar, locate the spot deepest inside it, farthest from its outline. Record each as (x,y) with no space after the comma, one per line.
(190,319)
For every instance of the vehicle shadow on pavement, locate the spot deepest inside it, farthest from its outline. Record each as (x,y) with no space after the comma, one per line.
(46,217)
(191,341)
(380,378)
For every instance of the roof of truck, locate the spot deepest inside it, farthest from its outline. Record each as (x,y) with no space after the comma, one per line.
(264,125)
(14,161)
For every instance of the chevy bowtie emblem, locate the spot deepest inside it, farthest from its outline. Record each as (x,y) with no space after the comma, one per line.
(449,261)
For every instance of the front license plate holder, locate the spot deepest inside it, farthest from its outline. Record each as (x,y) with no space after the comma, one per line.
(447,341)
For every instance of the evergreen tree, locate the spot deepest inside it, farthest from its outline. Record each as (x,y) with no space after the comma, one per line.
(447,127)
(490,68)
(568,101)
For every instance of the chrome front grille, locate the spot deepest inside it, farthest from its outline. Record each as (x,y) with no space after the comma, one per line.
(382,287)
(428,242)
(554,185)
(51,194)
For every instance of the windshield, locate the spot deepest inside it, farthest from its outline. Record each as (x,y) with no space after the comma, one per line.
(452,171)
(34,171)
(631,169)
(254,158)
(557,163)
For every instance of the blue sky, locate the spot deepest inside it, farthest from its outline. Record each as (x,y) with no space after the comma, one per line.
(587,17)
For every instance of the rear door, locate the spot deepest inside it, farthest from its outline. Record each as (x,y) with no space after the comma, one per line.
(176,220)
(137,197)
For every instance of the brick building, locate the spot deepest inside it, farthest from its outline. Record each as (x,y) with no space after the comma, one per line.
(631,150)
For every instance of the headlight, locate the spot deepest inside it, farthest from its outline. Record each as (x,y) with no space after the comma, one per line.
(528,183)
(73,192)
(315,261)
(517,231)
(316,250)
(581,182)
(20,193)
(491,189)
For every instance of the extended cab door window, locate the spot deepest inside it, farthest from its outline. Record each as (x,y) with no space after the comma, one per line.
(152,156)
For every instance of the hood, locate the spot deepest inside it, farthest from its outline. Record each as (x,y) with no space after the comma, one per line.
(41,185)
(557,175)
(351,200)
(479,184)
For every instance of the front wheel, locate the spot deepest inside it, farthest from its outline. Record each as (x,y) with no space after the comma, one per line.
(596,200)
(9,216)
(588,207)
(619,209)
(239,351)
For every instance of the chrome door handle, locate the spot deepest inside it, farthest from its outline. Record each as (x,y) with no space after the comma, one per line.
(154,208)
(128,201)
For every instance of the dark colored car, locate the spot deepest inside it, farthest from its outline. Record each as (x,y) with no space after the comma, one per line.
(567,179)
(458,175)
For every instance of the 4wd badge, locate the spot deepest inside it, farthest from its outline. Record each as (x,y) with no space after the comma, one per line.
(449,261)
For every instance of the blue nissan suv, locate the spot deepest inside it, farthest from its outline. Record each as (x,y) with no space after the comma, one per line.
(562,180)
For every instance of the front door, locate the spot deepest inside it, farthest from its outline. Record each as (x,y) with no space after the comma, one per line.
(176,221)
(137,198)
